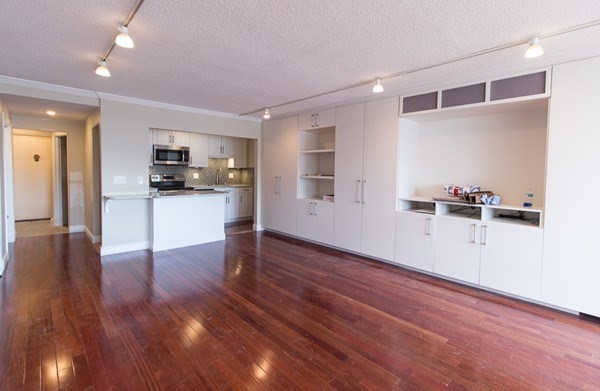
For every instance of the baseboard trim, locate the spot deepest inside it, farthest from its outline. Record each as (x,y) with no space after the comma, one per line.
(257,227)
(76,228)
(93,238)
(123,248)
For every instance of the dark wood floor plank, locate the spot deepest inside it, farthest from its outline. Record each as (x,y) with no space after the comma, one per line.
(265,312)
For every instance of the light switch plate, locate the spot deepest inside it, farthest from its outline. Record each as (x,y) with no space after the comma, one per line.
(119,180)
(196,175)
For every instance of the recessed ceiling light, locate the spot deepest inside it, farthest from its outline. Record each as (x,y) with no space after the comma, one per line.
(267,115)
(51,113)
(124,39)
(102,69)
(534,49)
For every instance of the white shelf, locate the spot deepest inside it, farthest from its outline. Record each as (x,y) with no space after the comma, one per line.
(316,199)
(330,177)
(318,151)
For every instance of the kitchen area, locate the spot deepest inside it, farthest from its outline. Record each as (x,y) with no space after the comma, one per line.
(198,184)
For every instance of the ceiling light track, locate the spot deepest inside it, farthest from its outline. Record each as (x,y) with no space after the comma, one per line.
(123,35)
(378,80)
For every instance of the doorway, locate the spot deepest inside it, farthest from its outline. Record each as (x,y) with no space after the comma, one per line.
(40,183)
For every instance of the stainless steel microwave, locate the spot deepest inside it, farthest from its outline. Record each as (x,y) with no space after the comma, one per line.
(171,155)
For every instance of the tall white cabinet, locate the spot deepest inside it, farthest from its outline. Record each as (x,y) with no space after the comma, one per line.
(279,179)
(571,252)
(365,185)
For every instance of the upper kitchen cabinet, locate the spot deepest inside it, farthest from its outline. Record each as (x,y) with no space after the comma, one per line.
(240,152)
(571,254)
(220,146)
(321,119)
(198,150)
(171,137)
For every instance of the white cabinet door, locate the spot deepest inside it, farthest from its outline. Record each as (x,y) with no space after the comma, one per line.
(232,202)
(280,149)
(379,178)
(511,258)
(227,144)
(457,248)
(315,220)
(246,208)
(240,152)
(348,177)
(414,240)
(162,137)
(571,252)
(198,150)
(214,146)
(181,138)
(321,119)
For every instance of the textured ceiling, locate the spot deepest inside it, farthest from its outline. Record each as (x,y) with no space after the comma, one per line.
(237,56)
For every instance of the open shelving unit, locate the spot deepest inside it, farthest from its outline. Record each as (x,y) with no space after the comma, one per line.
(316,163)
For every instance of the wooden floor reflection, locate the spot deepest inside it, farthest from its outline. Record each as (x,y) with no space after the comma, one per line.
(259,311)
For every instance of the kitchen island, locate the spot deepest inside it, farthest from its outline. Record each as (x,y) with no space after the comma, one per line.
(187,220)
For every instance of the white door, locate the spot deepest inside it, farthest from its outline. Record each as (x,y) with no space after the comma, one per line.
(323,231)
(511,258)
(214,146)
(240,152)
(232,206)
(270,173)
(246,203)
(414,240)
(457,248)
(305,219)
(32,159)
(348,177)
(181,138)
(379,178)
(571,252)
(162,137)
(288,177)
(227,144)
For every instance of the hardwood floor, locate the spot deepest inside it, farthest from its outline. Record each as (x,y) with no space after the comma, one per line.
(259,311)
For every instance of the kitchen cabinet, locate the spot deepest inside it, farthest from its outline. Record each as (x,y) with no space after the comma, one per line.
(246,205)
(365,172)
(220,146)
(171,137)
(571,252)
(320,119)
(279,174)
(315,220)
(239,203)
(240,152)
(198,150)
(231,206)
(415,240)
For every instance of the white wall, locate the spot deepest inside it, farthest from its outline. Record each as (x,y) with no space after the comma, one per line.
(5,130)
(32,178)
(124,141)
(75,159)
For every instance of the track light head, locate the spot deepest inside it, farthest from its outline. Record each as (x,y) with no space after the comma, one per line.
(534,49)
(102,69)
(378,87)
(123,39)
(266,114)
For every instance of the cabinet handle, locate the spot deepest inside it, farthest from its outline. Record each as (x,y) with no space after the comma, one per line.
(317,120)
(357,198)
(364,191)
(483,241)
(279,186)
(474,227)
(314,208)
(428,227)
(312,120)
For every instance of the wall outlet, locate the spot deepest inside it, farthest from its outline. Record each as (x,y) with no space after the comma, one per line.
(196,175)
(140,180)
(119,180)
(231,175)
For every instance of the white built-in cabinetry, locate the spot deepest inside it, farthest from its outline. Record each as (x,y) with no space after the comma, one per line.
(239,203)
(171,137)
(240,152)
(220,146)
(571,276)
(315,220)
(320,119)
(198,150)
(279,179)
(414,239)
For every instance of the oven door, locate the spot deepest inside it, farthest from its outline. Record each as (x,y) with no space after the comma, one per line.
(171,155)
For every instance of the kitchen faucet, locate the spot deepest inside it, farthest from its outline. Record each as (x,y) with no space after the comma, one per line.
(218,174)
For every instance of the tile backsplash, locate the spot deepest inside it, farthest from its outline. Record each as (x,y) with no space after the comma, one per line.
(207,175)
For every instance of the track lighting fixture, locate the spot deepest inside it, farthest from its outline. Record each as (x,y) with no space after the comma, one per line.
(378,87)
(102,69)
(534,49)
(267,115)
(123,39)
(51,113)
